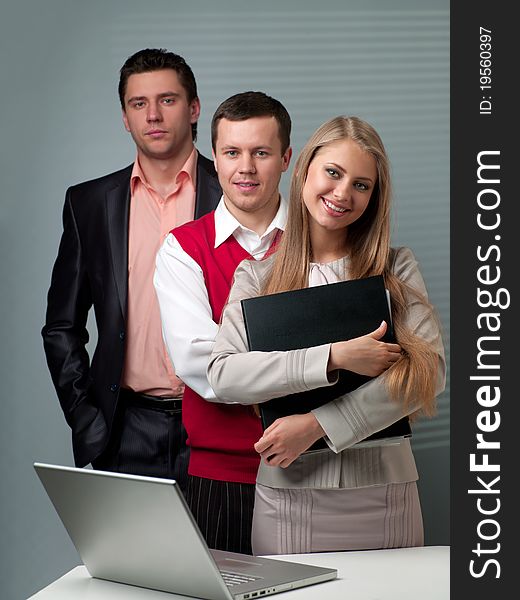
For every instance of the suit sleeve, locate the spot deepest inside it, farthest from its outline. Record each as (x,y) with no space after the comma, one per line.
(65,335)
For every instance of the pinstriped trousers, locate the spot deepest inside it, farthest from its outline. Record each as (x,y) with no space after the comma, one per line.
(147,441)
(300,520)
(223,511)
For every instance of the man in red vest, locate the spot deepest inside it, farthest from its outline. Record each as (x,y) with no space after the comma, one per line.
(194,272)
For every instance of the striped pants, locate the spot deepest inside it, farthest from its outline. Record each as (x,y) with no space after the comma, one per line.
(223,511)
(147,441)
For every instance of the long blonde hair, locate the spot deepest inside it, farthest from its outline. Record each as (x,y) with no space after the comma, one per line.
(414,376)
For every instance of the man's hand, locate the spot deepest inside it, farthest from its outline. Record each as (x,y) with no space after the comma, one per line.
(287,438)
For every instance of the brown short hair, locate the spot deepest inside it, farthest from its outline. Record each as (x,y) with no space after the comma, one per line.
(247,105)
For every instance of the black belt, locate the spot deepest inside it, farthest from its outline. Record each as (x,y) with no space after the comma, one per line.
(132,398)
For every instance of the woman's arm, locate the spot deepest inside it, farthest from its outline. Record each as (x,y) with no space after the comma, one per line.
(368,409)
(237,375)
(356,415)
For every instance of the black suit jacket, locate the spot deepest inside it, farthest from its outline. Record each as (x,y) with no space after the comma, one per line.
(91,269)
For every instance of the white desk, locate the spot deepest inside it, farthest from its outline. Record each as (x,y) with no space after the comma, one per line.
(402,574)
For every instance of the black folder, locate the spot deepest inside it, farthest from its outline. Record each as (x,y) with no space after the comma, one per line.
(311,317)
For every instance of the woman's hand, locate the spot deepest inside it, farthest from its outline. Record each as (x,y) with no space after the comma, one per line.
(365,355)
(287,438)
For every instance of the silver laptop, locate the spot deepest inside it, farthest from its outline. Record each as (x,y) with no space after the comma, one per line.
(140,531)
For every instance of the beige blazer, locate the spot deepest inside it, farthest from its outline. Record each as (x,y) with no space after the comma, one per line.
(238,375)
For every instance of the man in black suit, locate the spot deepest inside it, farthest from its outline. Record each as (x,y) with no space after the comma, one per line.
(124,408)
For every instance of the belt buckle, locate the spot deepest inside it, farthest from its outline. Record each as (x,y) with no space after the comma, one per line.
(177,405)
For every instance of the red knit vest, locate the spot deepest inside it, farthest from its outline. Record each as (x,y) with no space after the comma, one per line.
(220,436)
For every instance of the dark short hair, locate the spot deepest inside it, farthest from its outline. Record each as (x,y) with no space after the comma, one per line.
(253,104)
(156,59)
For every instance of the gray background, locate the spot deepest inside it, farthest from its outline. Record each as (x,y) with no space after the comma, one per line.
(386,61)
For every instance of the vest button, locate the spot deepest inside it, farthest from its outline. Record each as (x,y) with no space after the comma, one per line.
(114,387)
(121,335)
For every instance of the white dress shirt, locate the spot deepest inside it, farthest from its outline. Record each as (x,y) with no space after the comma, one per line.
(188,328)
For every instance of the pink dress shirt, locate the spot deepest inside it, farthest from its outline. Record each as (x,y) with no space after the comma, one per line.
(147,366)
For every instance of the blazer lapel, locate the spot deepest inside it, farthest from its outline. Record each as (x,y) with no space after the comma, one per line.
(118,208)
(208,188)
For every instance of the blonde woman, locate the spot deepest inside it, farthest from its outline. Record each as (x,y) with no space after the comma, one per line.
(338,228)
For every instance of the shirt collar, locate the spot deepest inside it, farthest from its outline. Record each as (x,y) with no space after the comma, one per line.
(226,224)
(189,169)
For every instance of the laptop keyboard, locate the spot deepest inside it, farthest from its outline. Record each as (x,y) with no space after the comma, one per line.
(231,579)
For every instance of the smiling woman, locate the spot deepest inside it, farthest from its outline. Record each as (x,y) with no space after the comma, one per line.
(339,185)
(343,497)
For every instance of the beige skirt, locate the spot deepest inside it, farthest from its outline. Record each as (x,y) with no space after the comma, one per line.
(299,520)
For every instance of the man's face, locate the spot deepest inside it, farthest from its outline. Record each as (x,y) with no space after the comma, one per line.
(249,162)
(158,115)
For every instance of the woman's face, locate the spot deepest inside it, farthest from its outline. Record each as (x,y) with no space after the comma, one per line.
(339,185)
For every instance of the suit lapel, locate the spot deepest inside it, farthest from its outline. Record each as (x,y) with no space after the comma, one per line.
(208,188)
(118,210)
(118,207)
